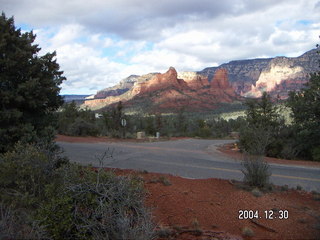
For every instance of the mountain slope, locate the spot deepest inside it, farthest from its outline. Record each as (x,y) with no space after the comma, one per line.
(275,75)
(166,93)
(206,89)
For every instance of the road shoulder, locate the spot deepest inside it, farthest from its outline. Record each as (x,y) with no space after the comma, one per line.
(230,151)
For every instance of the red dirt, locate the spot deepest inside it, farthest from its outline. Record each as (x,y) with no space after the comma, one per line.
(210,207)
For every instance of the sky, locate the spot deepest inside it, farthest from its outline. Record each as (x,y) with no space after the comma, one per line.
(100,42)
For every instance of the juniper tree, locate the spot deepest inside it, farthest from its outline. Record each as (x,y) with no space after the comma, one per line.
(305,106)
(29,87)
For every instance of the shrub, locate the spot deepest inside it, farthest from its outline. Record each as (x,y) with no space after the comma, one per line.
(81,127)
(25,171)
(18,224)
(162,179)
(204,132)
(316,154)
(254,140)
(256,171)
(256,192)
(91,205)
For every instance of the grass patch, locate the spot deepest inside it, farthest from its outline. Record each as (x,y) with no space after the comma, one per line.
(162,179)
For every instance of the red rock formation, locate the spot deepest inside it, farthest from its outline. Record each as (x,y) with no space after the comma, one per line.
(163,81)
(166,92)
(220,79)
(199,82)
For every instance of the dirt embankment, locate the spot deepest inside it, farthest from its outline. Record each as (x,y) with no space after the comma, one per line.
(209,209)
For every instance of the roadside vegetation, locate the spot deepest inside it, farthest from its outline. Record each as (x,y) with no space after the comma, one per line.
(75,121)
(267,132)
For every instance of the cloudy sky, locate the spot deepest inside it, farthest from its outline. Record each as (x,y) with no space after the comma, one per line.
(99,42)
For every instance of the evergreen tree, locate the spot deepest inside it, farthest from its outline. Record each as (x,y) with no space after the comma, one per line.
(262,112)
(29,87)
(263,126)
(305,106)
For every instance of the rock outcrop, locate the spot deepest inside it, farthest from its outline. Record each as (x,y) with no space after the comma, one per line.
(277,75)
(205,89)
(160,81)
(167,92)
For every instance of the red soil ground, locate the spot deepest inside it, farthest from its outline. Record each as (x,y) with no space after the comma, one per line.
(209,208)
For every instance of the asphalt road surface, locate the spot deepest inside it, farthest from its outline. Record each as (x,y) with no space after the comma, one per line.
(189,158)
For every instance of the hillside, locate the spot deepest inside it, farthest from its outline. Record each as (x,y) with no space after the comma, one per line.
(168,93)
(207,89)
(277,75)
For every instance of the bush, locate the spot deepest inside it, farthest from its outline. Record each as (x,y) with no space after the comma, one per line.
(316,153)
(254,140)
(16,224)
(81,127)
(256,171)
(91,205)
(77,122)
(204,132)
(25,171)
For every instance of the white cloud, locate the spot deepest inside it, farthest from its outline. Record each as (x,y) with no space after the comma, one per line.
(99,42)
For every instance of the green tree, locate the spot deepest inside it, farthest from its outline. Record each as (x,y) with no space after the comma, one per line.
(112,120)
(263,126)
(150,127)
(305,106)
(66,116)
(29,87)
(181,122)
(76,122)
(262,112)
(158,122)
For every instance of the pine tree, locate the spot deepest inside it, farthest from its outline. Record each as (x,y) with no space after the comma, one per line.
(305,106)
(263,125)
(29,87)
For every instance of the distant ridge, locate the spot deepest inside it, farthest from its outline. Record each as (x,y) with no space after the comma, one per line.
(206,89)
(74,97)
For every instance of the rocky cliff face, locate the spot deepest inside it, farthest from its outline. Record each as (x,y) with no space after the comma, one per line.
(167,92)
(276,75)
(122,87)
(203,90)
(159,82)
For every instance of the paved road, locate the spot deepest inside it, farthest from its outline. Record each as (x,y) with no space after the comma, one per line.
(190,158)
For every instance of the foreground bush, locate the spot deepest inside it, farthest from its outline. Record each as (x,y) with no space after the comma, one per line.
(256,171)
(90,205)
(18,224)
(25,171)
(45,197)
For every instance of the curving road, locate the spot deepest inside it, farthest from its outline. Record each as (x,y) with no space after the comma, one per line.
(189,158)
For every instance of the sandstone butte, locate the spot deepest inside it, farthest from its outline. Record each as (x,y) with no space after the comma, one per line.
(167,92)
